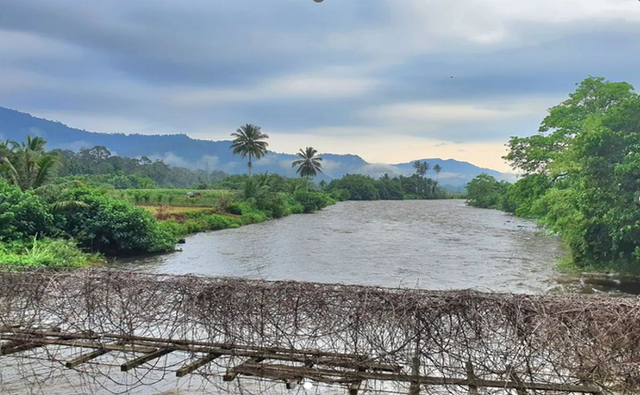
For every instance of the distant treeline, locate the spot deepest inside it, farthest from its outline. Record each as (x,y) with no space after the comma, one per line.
(360,187)
(98,166)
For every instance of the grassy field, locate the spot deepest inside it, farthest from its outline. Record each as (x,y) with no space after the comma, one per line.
(164,209)
(172,197)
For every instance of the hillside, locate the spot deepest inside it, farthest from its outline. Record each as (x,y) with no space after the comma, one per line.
(182,150)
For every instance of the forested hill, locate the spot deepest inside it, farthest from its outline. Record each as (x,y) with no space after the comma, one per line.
(184,151)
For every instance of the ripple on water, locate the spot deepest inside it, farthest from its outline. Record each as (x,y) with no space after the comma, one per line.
(439,244)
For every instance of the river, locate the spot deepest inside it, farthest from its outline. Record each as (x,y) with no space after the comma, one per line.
(440,244)
(437,244)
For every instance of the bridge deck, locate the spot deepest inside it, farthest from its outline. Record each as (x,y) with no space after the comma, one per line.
(291,366)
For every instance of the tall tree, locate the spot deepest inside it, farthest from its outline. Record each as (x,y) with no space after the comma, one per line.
(437,169)
(249,141)
(309,163)
(421,171)
(27,165)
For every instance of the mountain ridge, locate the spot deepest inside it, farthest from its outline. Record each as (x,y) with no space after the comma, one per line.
(182,150)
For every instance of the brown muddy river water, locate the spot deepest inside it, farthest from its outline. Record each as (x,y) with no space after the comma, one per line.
(441,244)
(427,244)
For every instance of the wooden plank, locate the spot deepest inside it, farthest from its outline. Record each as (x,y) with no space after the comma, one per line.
(85,358)
(16,347)
(350,376)
(177,342)
(134,363)
(85,344)
(185,370)
(471,376)
(233,372)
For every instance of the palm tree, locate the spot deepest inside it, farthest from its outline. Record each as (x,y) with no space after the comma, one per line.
(309,163)
(27,165)
(437,169)
(249,141)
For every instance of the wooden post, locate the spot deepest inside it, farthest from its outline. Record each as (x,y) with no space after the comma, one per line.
(414,388)
(521,390)
(471,376)
(145,358)
(185,370)
(354,387)
(233,373)
(85,358)
(17,347)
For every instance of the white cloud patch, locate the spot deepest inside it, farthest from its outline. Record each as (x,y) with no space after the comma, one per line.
(377,170)
(455,112)
(445,176)
(75,146)
(291,87)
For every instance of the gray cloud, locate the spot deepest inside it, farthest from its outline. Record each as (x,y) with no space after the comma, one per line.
(294,66)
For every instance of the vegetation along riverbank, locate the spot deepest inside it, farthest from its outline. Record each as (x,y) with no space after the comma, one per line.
(60,208)
(580,177)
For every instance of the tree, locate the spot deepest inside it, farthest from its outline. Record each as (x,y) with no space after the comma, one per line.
(542,153)
(249,141)
(421,168)
(309,163)
(421,171)
(27,165)
(437,169)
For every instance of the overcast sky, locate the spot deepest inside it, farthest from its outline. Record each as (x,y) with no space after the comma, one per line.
(389,80)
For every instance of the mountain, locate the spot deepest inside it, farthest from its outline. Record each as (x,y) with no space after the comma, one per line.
(182,150)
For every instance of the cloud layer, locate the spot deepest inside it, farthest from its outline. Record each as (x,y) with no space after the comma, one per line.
(389,80)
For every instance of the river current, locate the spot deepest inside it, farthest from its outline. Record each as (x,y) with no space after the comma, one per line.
(437,244)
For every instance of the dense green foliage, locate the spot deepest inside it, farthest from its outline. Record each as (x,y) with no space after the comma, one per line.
(485,191)
(581,175)
(361,187)
(22,214)
(113,226)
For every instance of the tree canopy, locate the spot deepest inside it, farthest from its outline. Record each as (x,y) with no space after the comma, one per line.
(581,174)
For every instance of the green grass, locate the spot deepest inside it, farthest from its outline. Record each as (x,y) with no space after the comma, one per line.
(172,197)
(53,253)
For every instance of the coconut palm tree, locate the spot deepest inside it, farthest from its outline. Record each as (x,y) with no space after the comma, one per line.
(27,165)
(437,169)
(249,141)
(309,163)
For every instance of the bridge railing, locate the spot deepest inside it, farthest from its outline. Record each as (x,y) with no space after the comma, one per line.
(354,336)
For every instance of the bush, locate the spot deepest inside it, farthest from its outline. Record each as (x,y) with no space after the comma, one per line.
(313,201)
(359,187)
(23,214)
(114,226)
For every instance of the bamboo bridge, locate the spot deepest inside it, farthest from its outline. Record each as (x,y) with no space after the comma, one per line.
(359,338)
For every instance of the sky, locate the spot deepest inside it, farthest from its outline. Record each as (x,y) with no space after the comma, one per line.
(389,80)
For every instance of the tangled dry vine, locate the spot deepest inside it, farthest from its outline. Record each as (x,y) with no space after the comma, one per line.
(358,337)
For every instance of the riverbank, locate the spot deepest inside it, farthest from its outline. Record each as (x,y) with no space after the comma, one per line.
(76,226)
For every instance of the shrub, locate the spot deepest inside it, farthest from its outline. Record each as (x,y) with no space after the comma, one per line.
(23,214)
(313,201)
(113,226)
